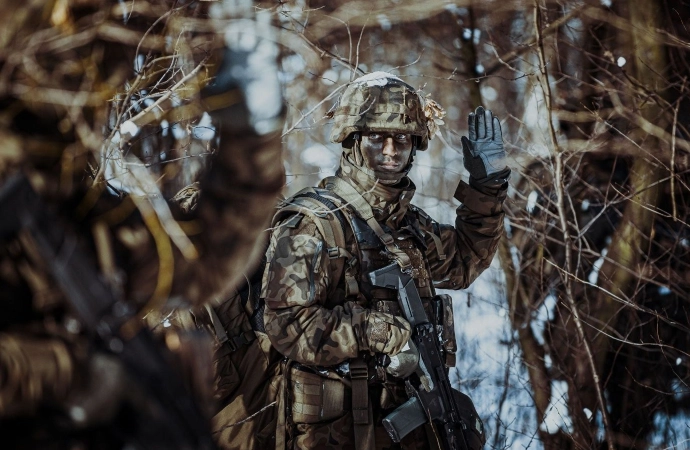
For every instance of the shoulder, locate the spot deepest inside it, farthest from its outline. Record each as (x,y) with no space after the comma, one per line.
(300,214)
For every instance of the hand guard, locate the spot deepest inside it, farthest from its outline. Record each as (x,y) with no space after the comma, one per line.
(483,151)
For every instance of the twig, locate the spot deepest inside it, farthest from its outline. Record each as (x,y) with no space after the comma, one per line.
(560,192)
(304,116)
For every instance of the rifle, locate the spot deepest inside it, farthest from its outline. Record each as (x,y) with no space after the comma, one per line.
(173,418)
(450,412)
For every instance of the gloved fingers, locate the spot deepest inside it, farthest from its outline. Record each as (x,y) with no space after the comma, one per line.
(482,123)
(497,135)
(466,145)
(472,126)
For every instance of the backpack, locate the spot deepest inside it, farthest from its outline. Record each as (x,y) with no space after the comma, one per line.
(247,367)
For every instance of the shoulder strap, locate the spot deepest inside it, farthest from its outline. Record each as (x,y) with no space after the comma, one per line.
(327,218)
(353,198)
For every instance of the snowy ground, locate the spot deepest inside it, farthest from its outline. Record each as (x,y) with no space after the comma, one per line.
(489,367)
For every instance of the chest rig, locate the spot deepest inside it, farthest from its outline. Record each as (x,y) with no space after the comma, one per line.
(376,245)
(358,244)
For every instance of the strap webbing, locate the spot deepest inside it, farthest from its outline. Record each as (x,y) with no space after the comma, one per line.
(363,210)
(327,222)
(217,325)
(362,413)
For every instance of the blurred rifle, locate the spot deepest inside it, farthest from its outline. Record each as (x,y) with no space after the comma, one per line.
(450,412)
(172,419)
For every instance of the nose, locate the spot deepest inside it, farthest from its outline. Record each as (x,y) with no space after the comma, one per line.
(389,147)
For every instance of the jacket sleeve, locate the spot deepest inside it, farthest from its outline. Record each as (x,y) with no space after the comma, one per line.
(470,245)
(298,322)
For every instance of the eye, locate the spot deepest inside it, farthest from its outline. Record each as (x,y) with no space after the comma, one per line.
(402,137)
(374,136)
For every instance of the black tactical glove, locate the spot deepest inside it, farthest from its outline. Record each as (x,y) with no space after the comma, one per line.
(483,151)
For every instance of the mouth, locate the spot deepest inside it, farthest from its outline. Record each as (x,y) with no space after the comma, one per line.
(389,166)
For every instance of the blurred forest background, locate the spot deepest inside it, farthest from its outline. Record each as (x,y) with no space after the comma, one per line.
(578,336)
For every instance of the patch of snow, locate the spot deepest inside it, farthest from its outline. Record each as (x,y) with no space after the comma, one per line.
(557,416)
(384,22)
(621,61)
(320,156)
(139,63)
(515,256)
(594,274)
(329,77)
(506,226)
(129,129)
(588,413)
(532,199)
(204,130)
(488,93)
(543,315)
(178,131)
(376,78)
(476,34)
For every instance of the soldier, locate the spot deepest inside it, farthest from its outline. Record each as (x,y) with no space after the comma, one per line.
(82,259)
(323,313)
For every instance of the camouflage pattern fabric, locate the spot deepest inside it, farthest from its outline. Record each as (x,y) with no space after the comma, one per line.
(247,419)
(380,104)
(307,326)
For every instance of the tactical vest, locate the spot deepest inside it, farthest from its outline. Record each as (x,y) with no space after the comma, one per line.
(316,394)
(355,244)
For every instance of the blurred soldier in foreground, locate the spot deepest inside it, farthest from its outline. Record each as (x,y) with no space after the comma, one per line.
(351,359)
(93,238)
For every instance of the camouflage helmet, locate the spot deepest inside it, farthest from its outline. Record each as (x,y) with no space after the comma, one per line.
(380,101)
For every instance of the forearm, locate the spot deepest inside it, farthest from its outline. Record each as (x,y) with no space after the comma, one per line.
(470,245)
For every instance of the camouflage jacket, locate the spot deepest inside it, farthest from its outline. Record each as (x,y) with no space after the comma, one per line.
(309,326)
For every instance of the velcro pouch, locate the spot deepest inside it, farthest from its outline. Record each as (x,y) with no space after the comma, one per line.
(316,398)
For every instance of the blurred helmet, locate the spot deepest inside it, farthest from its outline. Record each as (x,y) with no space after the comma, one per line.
(380,102)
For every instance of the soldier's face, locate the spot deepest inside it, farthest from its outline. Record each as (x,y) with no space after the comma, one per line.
(386,152)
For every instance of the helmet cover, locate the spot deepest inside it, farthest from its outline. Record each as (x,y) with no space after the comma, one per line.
(380,102)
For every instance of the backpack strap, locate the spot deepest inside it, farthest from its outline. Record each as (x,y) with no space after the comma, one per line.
(328,220)
(353,198)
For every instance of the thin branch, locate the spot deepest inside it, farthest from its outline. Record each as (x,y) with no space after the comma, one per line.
(560,192)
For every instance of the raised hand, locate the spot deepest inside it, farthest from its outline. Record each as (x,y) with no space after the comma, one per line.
(483,150)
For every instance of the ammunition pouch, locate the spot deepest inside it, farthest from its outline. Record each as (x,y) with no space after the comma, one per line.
(317,398)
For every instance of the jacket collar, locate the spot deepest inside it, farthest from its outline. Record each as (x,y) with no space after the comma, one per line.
(388,202)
